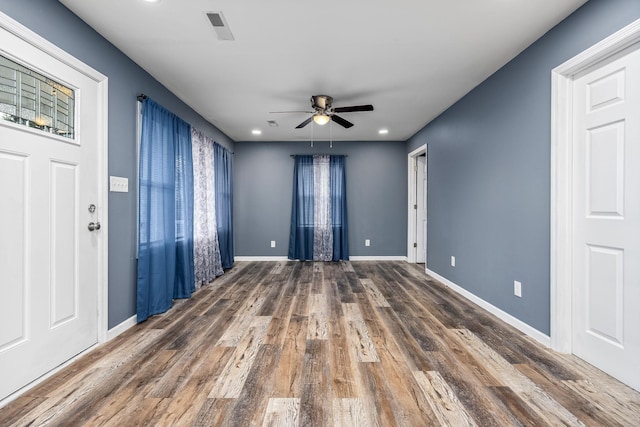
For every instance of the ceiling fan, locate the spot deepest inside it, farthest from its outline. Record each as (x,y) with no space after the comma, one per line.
(324,111)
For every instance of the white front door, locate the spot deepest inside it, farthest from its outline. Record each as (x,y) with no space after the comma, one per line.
(606,216)
(49,260)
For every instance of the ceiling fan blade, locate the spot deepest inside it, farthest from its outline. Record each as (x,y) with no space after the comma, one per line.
(303,124)
(342,122)
(294,111)
(368,107)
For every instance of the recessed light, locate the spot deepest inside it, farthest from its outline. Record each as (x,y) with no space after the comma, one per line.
(383,131)
(256,132)
(152,1)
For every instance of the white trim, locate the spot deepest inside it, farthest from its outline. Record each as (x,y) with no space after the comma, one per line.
(351,258)
(504,316)
(103,195)
(122,327)
(412,165)
(561,178)
(260,258)
(378,258)
(35,40)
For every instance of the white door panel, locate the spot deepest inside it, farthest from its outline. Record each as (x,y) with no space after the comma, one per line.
(605,170)
(604,296)
(13,249)
(606,217)
(49,261)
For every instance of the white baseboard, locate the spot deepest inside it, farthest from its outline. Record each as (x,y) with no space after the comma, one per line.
(260,258)
(504,316)
(351,258)
(120,328)
(378,258)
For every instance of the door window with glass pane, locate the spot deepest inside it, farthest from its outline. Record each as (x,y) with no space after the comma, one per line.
(31,99)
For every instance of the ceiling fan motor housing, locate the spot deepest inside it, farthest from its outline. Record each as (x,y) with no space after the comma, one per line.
(321,102)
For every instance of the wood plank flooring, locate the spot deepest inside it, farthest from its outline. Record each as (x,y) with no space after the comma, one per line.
(325,344)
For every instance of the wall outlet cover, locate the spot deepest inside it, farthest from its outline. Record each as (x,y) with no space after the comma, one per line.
(517,288)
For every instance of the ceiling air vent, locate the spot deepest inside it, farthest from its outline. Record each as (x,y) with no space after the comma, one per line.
(220,25)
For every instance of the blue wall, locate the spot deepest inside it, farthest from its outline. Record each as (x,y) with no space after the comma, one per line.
(376,195)
(488,167)
(489,170)
(57,24)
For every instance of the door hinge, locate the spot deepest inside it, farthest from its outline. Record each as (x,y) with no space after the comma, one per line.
(415,245)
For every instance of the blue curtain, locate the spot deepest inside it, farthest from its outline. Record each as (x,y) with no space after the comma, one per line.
(185,276)
(302,206)
(303,236)
(165,243)
(339,208)
(223,160)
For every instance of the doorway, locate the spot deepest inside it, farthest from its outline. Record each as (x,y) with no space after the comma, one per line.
(417,206)
(596,206)
(52,168)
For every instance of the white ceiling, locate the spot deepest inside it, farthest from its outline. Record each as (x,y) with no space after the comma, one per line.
(411,59)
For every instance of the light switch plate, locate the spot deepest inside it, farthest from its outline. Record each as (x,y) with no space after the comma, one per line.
(118,184)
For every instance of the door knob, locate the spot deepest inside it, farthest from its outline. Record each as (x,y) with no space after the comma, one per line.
(94,226)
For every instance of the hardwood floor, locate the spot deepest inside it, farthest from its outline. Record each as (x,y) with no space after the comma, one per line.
(322,344)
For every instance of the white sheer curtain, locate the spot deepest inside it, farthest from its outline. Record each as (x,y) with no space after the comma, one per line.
(322,229)
(206,250)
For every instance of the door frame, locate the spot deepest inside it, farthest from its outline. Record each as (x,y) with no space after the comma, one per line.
(101,109)
(412,167)
(561,268)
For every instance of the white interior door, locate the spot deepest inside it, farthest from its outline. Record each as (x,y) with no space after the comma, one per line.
(606,216)
(49,260)
(421,211)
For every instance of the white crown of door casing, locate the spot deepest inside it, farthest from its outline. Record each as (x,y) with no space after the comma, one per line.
(561,177)
(101,111)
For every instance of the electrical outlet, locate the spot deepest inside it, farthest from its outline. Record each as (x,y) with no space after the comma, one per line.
(517,288)
(367,242)
(273,243)
(453,261)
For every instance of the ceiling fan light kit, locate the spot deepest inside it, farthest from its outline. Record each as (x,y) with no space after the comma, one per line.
(321,119)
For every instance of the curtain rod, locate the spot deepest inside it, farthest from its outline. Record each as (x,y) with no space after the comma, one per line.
(295,155)
(142,97)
